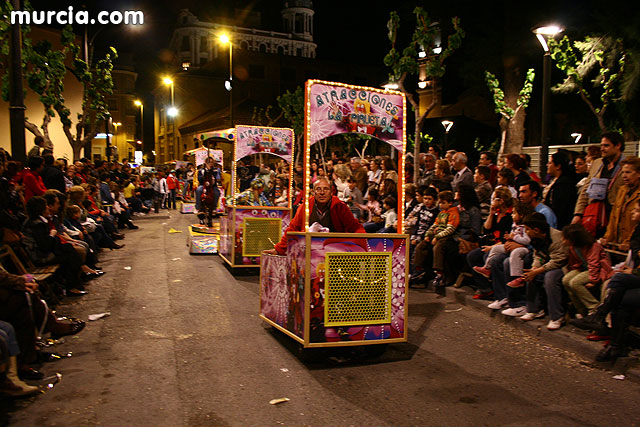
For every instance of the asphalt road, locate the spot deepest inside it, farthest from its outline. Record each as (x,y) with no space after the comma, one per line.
(184,346)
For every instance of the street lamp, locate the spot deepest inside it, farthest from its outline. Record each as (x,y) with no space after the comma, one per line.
(446,124)
(140,105)
(171,112)
(228,84)
(542,34)
(577,136)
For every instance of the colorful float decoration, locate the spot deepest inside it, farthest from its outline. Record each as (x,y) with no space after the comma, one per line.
(247,230)
(341,289)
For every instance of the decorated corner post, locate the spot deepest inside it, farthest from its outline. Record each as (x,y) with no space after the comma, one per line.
(253,223)
(340,289)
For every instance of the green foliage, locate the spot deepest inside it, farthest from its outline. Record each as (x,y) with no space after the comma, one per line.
(425,139)
(594,69)
(425,37)
(292,104)
(524,96)
(493,146)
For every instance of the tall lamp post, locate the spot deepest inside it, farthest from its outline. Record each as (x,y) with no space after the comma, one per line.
(225,39)
(447,124)
(543,33)
(140,105)
(116,125)
(171,112)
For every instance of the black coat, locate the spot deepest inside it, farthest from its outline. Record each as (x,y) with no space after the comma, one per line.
(561,198)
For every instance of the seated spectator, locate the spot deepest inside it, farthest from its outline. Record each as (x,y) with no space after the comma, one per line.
(549,256)
(488,158)
(374,212)
(530,193)
(11,385)
(527,168)
(121,208)
(426,216)
(621,224)
(505,179)
(517,165)
(352,196)
(388,188)
(589,267)
(389,216)
(483,189)
(470,227)
(442,231)
(52,175)
(388,170)
(44,248)
(560,195)
(442,177)
(463,175)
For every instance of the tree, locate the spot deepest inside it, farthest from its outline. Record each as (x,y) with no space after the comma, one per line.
(45,70)
(593,68)
(292,105)
(509,112)
(424,41)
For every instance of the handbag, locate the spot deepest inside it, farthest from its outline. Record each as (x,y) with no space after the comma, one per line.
(465,246)
(594,217)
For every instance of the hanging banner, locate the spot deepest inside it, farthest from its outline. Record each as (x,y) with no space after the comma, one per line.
(335,108)
(203,153)
(262,139)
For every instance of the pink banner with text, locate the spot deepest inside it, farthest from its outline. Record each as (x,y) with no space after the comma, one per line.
(336,109)
(262,139)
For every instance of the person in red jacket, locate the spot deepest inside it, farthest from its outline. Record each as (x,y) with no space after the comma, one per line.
(325,209)
(172,185)
(33,185)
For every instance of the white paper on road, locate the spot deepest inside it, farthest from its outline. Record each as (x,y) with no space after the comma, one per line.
(93,317)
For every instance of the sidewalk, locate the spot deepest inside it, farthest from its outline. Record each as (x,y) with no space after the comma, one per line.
(568,337)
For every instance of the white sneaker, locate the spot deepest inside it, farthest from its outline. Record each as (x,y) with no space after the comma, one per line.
(498,304)
(515,311)
(554,325)
(530,316)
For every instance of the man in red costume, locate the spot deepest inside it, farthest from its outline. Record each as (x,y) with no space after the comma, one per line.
(326,210)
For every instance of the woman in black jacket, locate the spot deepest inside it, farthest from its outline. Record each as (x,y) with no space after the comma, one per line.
(561,194)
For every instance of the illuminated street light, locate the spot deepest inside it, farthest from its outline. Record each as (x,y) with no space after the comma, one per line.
(391,86)
(447,125)
(577,136)
(542,34)
(225,39)
(172,112)
(140,105)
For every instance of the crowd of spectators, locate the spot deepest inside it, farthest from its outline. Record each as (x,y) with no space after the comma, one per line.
(535,246)
(56,218)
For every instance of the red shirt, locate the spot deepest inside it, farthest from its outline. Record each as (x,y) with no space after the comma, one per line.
(341,218)
(172,182)
(33,185)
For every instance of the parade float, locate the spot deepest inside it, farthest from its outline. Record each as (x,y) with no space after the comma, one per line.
(247,230)
(342,289)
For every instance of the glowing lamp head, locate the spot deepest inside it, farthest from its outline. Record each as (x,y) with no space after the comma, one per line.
(168,81)
(224,38)
(137,103)
(172,112)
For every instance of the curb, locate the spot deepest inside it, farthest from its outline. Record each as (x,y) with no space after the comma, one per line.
(568,337)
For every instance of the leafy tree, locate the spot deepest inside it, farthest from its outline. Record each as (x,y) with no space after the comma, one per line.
(509,112)
(292,105)
(425,39)
(594,69)
(45,69)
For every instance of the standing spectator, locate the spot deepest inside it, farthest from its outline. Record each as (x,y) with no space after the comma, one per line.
(374,174)
(582,171)
(596,190)
(560,195)
(172,186)
(620,226)
(435,150)
(429,169)
(530,193)
(160,191)
(527,168)
(31,179)
(463,175)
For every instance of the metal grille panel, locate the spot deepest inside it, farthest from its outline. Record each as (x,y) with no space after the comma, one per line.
(357,289)
(260,234)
